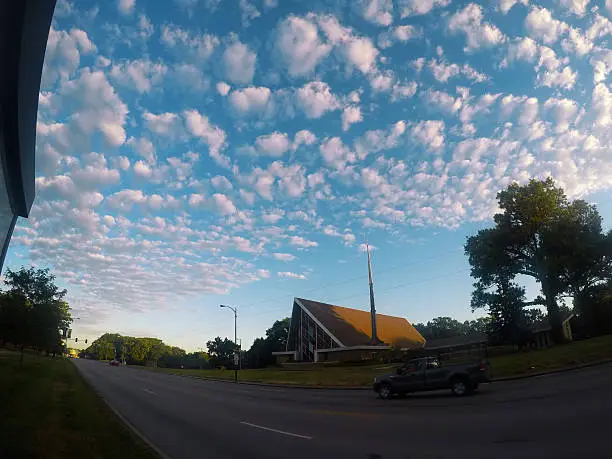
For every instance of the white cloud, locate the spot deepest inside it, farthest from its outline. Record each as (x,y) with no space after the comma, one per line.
(315,99)
(142,169)
(429,133)
(223,204)
(299,241)
(505,5)
(284,256)
(303,137)
(403,90)
(144,147)
(221,183)
(95,106)
(291,275)
(565,78)
(165,124)
(292,180)
(401,33)
(562,111)
(126,7)
(599,28)
(253,99)
(577,7)
(125,199)
(361,53)
(248,12)
(379,12)
(239,63)
(601,104)
(200,46)
(223,88)
(200,126)
(443,71)
(577,43)
(479,34)
(63,54)
(356,51)
(335,153)
(419,7)
(275,144)
(541,25)
(122,162)
(377,140)
(140,75)
(351,115)
(298,46)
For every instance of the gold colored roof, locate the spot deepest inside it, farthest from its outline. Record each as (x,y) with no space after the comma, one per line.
(353,326)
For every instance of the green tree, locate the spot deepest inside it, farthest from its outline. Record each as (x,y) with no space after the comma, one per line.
(221,352)
(33,310)
(537,233)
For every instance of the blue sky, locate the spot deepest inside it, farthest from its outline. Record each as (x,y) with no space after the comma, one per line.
(197,152)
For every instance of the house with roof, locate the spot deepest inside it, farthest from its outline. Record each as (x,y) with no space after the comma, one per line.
(321,332)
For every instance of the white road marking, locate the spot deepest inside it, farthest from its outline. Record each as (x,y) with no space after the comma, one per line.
(305,437)
(149,391)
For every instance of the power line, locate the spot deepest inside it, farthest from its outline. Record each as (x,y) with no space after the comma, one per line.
(346,281)
(384,290)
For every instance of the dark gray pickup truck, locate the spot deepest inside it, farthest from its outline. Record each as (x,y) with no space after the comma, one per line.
(430,374)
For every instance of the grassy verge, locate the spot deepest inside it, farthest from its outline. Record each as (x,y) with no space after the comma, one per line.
(48,411)
(329,376)
(575,353)
(566,355)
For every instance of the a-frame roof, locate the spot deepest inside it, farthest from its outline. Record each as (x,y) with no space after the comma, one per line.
(352,327)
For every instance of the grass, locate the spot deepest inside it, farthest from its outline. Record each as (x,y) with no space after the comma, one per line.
(565,355)
(328,376)
(515,364)
(48,411)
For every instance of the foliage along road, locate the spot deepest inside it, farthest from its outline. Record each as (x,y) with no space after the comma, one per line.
(563,416)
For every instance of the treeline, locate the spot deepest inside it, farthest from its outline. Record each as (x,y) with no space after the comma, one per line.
(143,351)
(220,351)
(559,243)
(447,327)
(33,312)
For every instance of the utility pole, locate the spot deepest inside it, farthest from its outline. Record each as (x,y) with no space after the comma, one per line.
(235,339)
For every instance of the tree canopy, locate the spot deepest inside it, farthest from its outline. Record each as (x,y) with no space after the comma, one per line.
(32,309)
(541,234)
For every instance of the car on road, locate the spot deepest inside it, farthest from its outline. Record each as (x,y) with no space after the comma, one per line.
(114,363)
(425,374)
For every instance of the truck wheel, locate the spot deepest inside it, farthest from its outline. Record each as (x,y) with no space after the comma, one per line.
(460,387)
(385,392)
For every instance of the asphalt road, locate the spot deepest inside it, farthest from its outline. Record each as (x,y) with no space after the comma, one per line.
(567,415)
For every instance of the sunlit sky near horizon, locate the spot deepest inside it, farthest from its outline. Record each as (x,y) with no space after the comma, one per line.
(198,152)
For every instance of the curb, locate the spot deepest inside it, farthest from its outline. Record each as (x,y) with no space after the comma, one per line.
(552,372)
(355,388)
(131,426)
(127,423)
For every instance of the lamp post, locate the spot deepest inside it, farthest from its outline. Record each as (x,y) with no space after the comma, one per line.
(235,337)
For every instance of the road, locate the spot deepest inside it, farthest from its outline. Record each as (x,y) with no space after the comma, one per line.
(566,415)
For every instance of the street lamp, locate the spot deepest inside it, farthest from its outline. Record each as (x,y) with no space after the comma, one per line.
(235,337)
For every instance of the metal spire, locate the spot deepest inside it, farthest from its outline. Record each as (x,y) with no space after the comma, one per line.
(374,340)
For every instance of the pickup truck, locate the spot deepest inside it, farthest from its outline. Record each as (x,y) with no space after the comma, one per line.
(428,373)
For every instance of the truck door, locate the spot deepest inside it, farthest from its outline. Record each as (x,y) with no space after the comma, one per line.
(435,374)
(413,377)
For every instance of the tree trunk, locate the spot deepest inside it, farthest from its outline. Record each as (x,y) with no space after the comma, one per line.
(554,315)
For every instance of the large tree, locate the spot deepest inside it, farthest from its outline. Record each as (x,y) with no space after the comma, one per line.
(32,309)
(221,351)
(539,233)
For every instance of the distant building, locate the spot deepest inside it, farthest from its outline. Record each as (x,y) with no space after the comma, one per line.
(24,28)
(322,332)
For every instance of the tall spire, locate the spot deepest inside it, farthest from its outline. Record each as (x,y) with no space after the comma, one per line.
(374,339)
